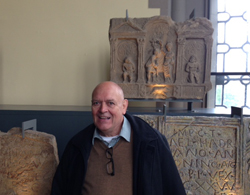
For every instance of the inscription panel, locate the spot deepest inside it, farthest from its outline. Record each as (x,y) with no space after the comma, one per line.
(211,153)
(205,156)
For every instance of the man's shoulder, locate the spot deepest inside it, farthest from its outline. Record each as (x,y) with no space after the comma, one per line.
(84,135)
(142,127)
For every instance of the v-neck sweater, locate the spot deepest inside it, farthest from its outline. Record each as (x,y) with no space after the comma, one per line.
(98,181)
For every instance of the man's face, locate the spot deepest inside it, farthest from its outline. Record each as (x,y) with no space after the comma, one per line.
(108,108)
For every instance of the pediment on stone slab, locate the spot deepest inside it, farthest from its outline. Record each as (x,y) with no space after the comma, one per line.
(197,25)
(159,19)
(127,26)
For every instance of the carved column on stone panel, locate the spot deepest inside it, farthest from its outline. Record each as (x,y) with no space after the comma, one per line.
(113,57)
(209,43)
(180,53)
(140,78)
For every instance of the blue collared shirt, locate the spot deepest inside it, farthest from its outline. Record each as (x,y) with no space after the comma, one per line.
(125,133)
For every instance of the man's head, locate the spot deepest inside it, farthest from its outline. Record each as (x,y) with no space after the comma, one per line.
(108,108)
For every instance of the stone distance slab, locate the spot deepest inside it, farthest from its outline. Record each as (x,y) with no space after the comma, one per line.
(157,58)
(27,165)
(212,154)
(207,156)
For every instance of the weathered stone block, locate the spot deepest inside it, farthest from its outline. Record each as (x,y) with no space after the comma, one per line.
(27,165)
(156,58)
(212,154)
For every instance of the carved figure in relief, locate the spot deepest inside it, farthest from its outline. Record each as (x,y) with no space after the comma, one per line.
(155,64)
(158,46)
(151,67)
(169,62)
(160,61)
(128,70)
(163,61)
(193,68)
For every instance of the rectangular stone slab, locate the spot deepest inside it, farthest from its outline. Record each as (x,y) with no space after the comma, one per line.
(27,165)
(157,58)
(212,154)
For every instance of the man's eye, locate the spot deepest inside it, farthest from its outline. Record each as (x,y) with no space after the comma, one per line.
(95,103)
(111,103)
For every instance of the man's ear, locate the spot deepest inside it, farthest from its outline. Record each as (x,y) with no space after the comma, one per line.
(125,106)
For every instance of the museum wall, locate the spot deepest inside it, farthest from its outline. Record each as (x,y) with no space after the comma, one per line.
(55,52)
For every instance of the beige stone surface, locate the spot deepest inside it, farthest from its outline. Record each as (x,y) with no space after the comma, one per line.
(27,165)
(157,58)
(212,154)
(246,155)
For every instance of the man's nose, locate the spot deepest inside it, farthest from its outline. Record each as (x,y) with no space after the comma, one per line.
(103,107)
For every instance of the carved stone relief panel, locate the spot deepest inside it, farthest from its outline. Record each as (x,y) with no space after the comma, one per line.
(27,165)
(159,56)
(212,154)
(246,156)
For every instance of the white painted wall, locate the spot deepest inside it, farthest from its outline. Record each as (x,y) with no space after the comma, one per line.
(53,52)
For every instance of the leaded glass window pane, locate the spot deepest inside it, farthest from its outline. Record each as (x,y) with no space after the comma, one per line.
(236,32)
(235,61)
(233,94)
(233,47)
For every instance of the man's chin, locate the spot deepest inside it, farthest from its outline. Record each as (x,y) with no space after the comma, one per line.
(103,129)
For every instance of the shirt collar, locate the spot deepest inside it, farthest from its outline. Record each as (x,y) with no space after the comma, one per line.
(125,131)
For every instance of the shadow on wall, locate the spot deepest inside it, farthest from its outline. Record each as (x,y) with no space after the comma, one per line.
(1,77)
(105,64)
(164,6)
(93,74)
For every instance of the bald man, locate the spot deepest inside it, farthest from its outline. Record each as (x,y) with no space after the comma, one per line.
(119,154)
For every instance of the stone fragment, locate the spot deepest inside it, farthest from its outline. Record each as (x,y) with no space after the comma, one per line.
(212,154)
(156,58)
(27,165)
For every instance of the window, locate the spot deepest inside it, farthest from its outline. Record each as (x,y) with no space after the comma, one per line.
(232,67)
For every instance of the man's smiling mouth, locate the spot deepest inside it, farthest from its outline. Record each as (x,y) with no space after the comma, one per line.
(104,117)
